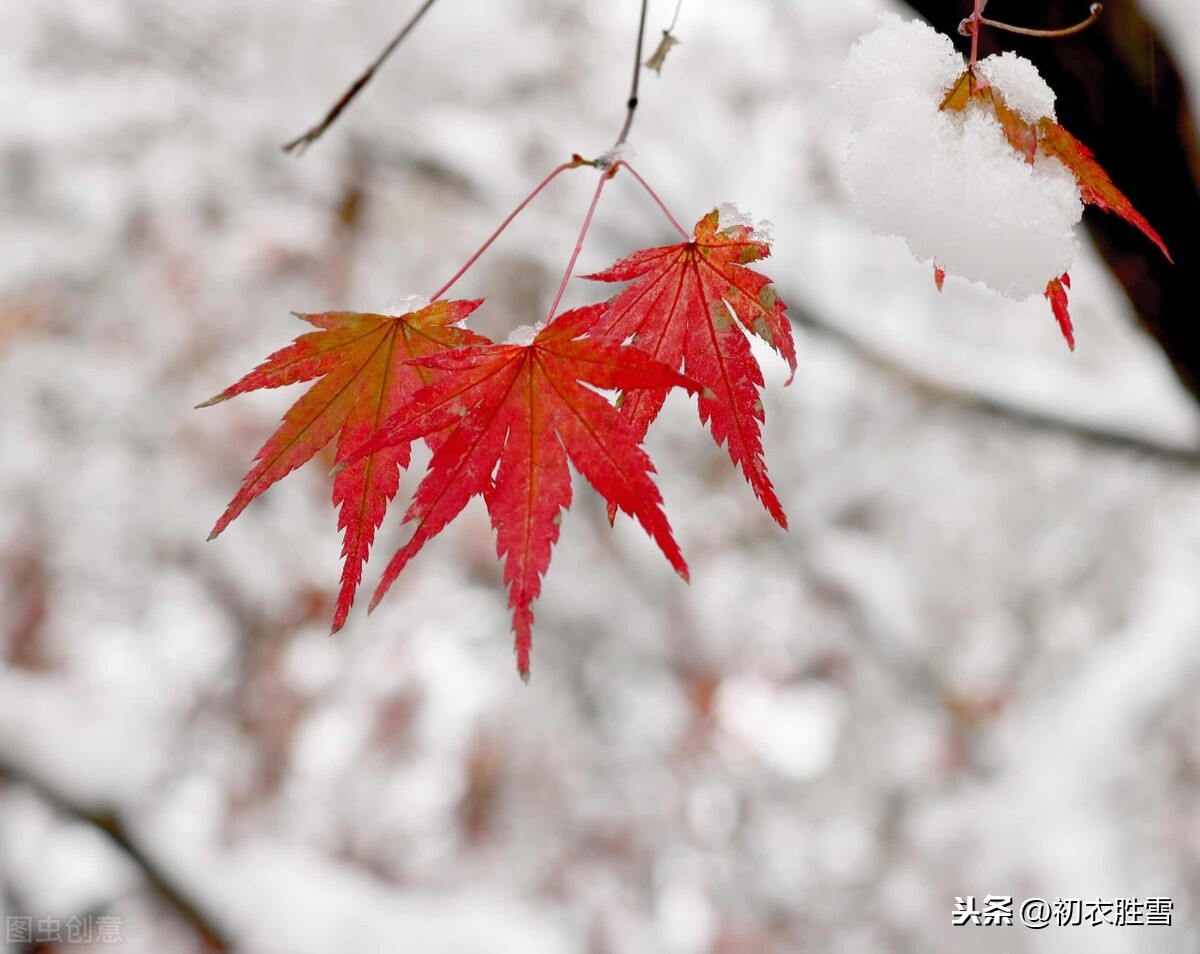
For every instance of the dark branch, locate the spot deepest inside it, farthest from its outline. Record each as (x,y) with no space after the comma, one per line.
(163,885)
(1095,435)
(631,104)
(307,139)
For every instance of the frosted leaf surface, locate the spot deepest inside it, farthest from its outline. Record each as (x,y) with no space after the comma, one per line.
(947,182)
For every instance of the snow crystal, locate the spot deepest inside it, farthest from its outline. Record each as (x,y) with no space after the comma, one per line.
(523,335)
(898,61)
(1021,85)
(614,155)
(405,305)
(729,216)
(947,182)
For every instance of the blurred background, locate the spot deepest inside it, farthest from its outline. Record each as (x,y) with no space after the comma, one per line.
(969,668)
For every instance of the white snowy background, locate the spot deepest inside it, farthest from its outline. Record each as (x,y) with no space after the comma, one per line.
(969,669)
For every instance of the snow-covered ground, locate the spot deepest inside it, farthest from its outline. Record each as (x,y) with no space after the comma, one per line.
(969,668)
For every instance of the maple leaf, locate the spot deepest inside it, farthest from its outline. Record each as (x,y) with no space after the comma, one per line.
(1095,186)
(680,309)
(362,361)
(525,408)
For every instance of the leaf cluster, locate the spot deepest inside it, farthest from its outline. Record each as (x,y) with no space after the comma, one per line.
(504,419)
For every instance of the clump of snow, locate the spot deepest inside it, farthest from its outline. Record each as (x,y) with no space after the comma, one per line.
(523,335)
(729,216)
(406,305)
(898,60)
(948,182)
(1021,84)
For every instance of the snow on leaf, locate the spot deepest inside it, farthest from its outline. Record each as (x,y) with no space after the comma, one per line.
(361,361)
(525,408)
(681,309)
(1022,136)
(963,198)
(1027,137)
(992,186)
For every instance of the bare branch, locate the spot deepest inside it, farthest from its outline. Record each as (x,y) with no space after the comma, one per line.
(631,105)
(995,402)
(300,143)
(163,885)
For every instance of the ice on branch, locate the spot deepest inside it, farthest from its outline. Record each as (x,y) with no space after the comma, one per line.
(948,181)
(621,151)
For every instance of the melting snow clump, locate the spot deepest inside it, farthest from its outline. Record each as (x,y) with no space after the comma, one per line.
(730,216)
(406,305)
(948,182)
(523,335)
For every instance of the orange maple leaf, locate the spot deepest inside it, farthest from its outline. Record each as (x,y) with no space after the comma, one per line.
(362,361)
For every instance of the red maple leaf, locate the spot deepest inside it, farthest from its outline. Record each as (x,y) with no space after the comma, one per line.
(681,309)
(1095,186)
(525,408)
(362,361)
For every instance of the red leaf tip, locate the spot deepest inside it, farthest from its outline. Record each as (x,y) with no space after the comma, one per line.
(1056,294)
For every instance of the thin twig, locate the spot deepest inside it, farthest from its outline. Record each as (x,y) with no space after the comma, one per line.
(975,20)
(632,104)
(587,221)
(1093,16)
(675,19)
(575,162)
(307,139)
(164,885)
(654,195)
